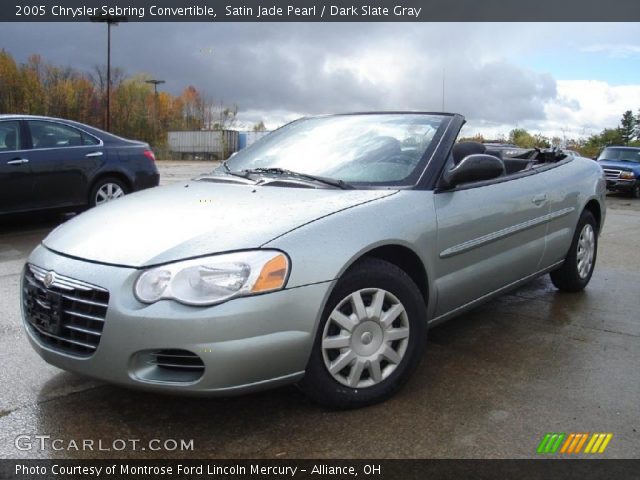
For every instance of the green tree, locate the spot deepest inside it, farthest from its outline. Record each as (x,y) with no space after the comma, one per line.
(592,146)
(260,127)
(628,127)
(523,139)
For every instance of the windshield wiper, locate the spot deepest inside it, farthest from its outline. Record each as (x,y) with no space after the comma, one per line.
(235,174)
(283,171)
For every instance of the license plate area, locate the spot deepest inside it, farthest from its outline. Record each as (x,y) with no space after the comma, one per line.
(45,309)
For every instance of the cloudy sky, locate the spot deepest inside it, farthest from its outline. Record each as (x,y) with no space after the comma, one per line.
(571,79)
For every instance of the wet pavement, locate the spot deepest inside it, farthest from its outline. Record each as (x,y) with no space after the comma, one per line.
(492,382)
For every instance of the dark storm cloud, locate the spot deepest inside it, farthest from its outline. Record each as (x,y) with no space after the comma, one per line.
(306,68)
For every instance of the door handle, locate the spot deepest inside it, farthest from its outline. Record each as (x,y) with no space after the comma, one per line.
(539,199)
(17,161)
(94,154)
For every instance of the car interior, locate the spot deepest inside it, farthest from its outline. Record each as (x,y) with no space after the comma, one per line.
(8,139)
(530,159)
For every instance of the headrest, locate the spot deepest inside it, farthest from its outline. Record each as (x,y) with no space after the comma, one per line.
(464,149)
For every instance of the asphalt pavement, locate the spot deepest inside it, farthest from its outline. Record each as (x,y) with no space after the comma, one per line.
(492,382)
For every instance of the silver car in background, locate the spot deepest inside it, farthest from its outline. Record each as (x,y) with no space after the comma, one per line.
(319,256)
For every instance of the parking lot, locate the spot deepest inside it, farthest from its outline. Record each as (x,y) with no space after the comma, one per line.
(492,382)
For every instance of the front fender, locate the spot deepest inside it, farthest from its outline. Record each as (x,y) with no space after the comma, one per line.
(323,250)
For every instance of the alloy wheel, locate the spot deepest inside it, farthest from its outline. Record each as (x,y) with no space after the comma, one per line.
(107,192)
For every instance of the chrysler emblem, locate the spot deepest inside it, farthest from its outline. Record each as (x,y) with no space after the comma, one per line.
(49,278)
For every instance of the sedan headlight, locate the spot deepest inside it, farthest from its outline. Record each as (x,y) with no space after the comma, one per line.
(214,279)
(627,175)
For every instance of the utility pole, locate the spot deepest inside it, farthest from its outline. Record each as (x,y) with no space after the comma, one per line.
(109,20)
(442,89)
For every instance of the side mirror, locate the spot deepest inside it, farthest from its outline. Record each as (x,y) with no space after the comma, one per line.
(474,168)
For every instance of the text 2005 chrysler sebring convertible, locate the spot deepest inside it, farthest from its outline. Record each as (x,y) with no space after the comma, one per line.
(319,255)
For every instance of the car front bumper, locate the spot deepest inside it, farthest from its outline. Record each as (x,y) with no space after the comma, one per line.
(245,344)
(621,185)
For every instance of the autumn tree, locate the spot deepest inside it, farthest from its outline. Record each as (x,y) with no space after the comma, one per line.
(11,87)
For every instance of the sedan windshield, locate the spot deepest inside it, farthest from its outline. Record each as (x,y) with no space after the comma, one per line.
(367,149)
(621,154)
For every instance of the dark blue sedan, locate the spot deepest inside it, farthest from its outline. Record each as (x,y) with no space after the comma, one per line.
(50,163)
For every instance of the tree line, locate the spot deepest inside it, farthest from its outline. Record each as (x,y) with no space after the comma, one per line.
(626,133)
(40,88)
(37,87)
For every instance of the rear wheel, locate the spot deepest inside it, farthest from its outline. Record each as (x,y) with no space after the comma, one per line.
(370,339)
(576,271)
(107,189)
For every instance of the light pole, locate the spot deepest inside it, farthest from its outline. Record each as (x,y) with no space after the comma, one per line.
(155,84)
(109,20)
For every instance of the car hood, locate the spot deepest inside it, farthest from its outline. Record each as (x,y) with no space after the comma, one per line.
(197,218)
(620,165)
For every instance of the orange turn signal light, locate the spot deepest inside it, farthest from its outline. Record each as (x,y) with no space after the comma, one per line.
(273,274)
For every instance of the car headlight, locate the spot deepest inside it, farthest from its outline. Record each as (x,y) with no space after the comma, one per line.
(627,175)
(214,279)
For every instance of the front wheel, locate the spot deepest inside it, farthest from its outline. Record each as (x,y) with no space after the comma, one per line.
(635,192)
(576,271)
(370,339)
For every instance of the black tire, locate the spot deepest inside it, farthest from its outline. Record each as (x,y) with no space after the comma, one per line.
(102,182)
(635,192)
(370,276)
(568,276)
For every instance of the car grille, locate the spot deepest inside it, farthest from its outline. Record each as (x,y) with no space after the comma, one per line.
(63,313)
(612,174)
(175,359)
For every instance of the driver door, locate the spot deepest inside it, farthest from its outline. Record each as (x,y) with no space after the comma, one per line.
(489,236)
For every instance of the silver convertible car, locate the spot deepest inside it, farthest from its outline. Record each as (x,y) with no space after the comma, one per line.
(320,255)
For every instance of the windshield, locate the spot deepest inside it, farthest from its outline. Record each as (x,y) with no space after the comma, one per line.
(621,154)
(371,149)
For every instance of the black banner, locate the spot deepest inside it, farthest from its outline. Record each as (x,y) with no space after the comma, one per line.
(321,469)
(322,11)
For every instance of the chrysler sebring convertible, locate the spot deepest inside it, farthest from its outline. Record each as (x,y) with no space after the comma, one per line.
(320,256)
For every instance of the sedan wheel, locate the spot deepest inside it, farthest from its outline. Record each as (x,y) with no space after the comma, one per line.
(370,339)
(107,190)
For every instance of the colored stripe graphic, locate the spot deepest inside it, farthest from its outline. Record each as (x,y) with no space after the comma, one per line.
(598,443)
(572,443)
(550,443)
